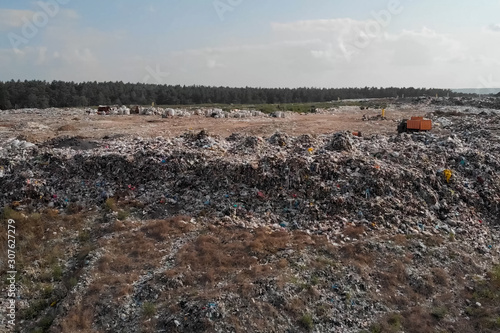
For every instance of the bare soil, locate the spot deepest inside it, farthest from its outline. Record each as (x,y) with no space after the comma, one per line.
(54,124)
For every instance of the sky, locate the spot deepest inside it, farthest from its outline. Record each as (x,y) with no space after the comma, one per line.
(258,43)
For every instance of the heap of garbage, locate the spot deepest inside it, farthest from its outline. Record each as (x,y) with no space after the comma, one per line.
(488,102)
(314,183)
(444,183)
(179,112)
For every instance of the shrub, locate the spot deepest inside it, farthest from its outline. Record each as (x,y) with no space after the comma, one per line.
(47,291)
(57,273)
(122,215)
(376,328)
(391,323)
(45,323)
(394,321)
(78,319)
(110,205)
(306,322)
(9,213)
(72,282)
(163,229)
(35,308)
(148,309)
(439,312)
(495,275)
(83,236)
(353,231)
(440,276)
(74,208)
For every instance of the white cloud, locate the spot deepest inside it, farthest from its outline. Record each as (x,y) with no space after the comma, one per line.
(42,55)
(69,14)
(332,53)
(13,18)
(494,27)
(314,26)
(325,53)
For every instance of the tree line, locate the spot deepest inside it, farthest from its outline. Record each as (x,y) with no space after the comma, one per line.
(42,94)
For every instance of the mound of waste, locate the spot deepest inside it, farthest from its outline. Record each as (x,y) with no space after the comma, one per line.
(402,180)
(322,233)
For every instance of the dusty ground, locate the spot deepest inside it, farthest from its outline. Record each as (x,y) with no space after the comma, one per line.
(78,123)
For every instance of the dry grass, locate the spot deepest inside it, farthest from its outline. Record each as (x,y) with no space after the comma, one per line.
(236,255)
(418,320)
(390,323)
(67,128)
(164,229)
(282,263)
(400,240)
(352,231)
(357,253)
(264,241)
(393,277)
(79,319)
(434,240)
(212,259)
(413,320)
(216,260)
(440,276)
(424,286)
(120,263)
(295,306)
(126,257)
(484,318)
(40,237)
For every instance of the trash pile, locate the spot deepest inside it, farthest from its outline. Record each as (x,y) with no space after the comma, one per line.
(317,184)
(331,110)
(421,184)
(170,112)
(485,102)
(219,113)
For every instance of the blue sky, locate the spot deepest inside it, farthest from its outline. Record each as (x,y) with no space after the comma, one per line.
(449,44)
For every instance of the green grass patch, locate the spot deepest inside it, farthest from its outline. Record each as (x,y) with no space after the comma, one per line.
(35,309)
(83,236)
(439,312)
(110,205)
(9,213)
(57,272)
(123,215)
(72,282)
(306,322)
(148,309)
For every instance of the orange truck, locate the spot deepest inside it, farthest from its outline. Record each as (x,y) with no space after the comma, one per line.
(414,124)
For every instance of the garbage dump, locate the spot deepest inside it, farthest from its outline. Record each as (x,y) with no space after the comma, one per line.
(487,102)
(395,196)
(170,112)
(309,183)
(484,102)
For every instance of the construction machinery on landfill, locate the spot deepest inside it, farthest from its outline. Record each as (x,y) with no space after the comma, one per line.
(415,124)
